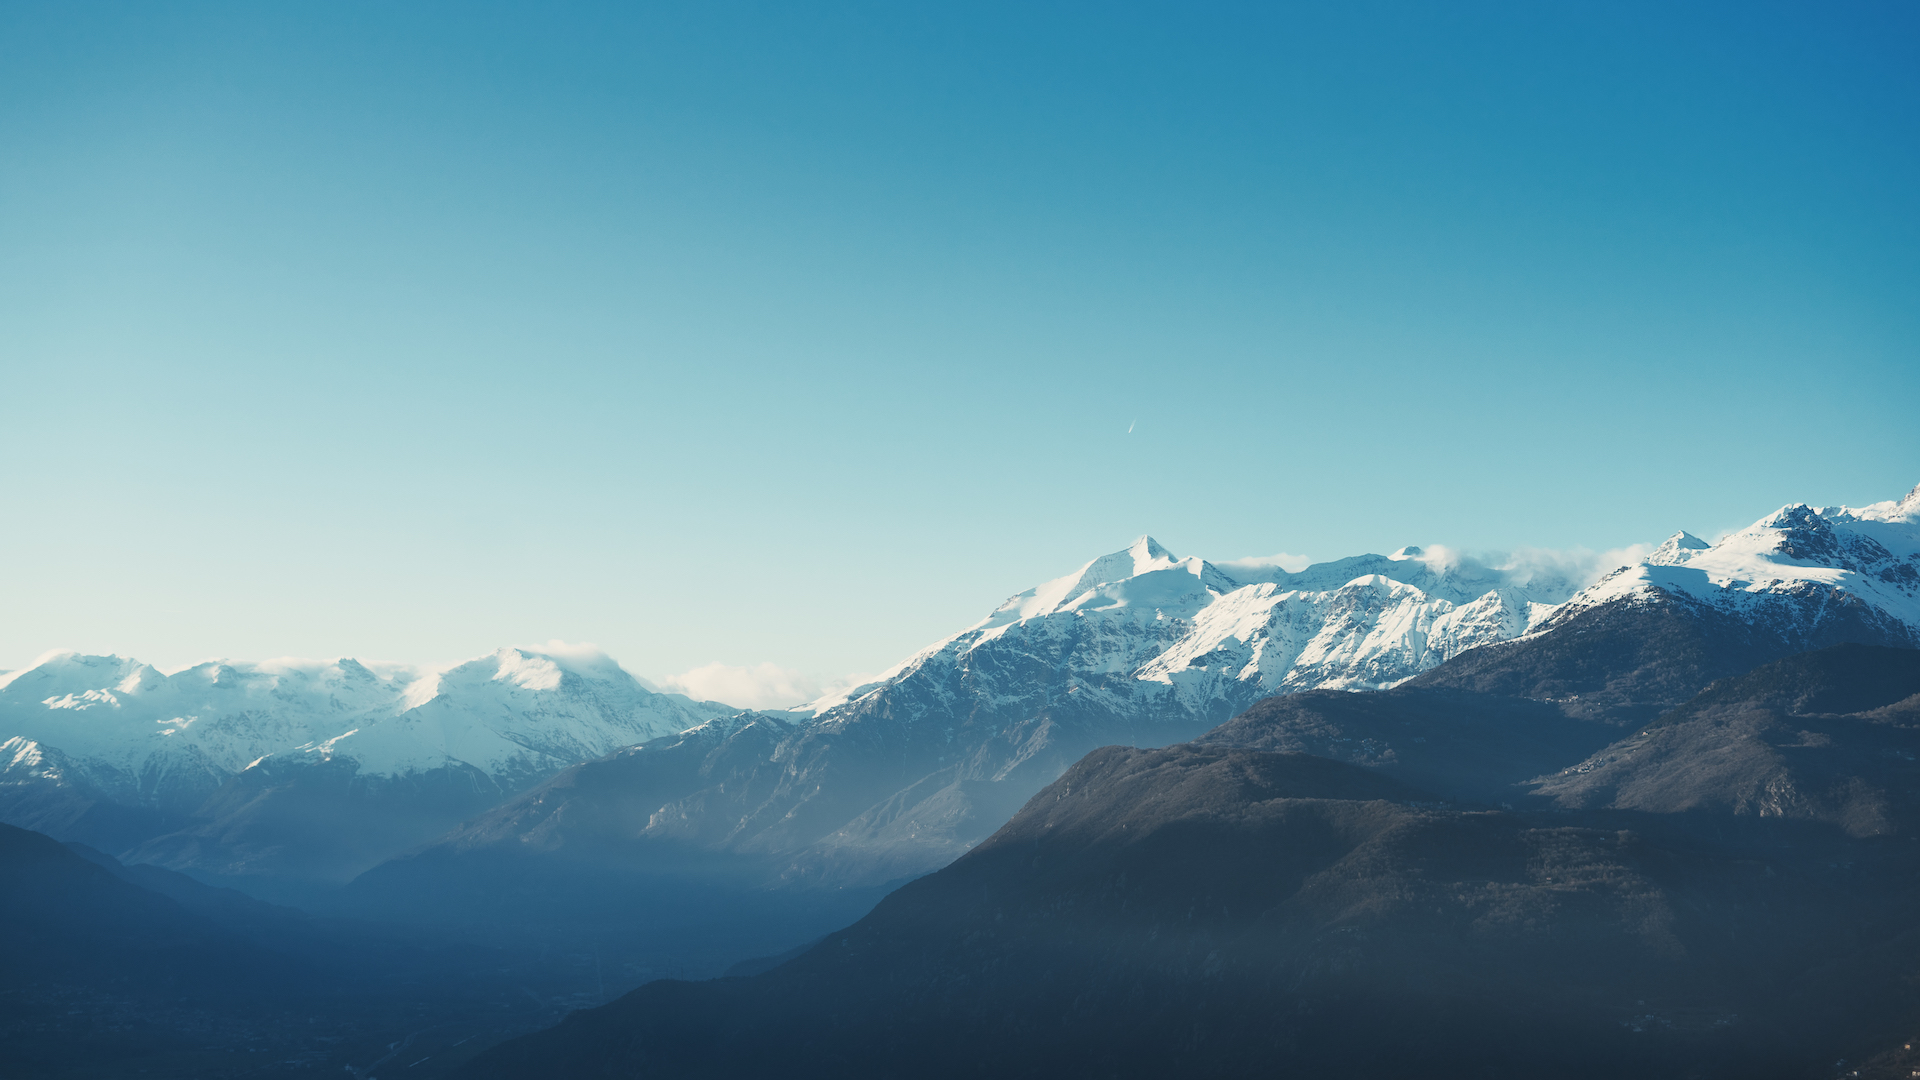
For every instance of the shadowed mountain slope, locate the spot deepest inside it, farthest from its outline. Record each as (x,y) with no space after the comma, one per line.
(1461,745)
(1215,911)
(70,918)
(1830,736)
(576,862)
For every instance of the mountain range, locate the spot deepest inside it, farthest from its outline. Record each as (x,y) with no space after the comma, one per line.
(302,770)
(899,777)
(318,772)
(1398,813)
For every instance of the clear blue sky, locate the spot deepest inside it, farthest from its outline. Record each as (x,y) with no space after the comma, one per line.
(805,333)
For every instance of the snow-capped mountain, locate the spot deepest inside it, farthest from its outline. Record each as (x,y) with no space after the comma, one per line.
(1142,629)
(1138,646)
(1141,647)
(897,776)
(126,730)
(1792,572)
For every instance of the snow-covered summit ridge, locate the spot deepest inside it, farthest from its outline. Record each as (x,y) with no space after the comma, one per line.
(1838,554)
(1143,633)
(513,713)
(1149,626)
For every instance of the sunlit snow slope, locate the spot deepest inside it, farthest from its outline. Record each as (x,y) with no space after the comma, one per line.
(125,729)
(1141,628)
(1793,570)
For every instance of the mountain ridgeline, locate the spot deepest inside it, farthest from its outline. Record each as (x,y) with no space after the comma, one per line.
(1139,648)
(1157,815)
(287,776)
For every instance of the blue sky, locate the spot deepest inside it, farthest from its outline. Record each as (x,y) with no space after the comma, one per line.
(804,334)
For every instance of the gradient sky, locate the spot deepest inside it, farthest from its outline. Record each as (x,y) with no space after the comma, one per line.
(803,334)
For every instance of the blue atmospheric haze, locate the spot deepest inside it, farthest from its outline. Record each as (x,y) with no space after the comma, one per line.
(806,332)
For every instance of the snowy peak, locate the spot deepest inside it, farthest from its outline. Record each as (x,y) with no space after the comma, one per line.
(539,669)
(1677,549)
(1440,572)
(1147,552)
(1906,509)
(514,713)
(1139,560)
(67,672)
(1143,556)
(1796,555)
(1142,633)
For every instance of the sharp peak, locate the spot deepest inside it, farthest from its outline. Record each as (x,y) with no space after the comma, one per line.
(1141,553)
(1148,546)
(1793,515)
(1908,503)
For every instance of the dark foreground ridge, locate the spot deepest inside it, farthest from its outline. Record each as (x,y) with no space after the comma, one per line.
(1218,910)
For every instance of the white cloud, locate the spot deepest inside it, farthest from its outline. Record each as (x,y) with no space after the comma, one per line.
(762,686)
(1579,566)
(1292,564)
(1570,569)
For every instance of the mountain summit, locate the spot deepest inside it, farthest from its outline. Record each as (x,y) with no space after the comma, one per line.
(1796,569)
(358,760)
